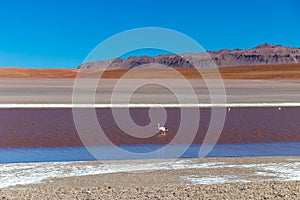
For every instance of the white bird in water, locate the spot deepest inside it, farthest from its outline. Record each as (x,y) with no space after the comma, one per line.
(162,129)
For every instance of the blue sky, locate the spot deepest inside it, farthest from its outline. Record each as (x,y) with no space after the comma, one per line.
(57,33)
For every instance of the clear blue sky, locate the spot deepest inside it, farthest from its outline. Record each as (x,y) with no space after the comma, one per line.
(57,33)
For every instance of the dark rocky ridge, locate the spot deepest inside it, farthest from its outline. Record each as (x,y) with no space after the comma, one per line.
(262,54)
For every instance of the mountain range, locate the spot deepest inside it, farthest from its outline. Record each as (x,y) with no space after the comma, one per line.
(259,55)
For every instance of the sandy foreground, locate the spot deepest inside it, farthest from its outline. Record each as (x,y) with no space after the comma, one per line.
(215,178)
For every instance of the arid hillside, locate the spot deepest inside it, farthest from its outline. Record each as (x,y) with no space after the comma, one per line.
(260,55)
(270,71)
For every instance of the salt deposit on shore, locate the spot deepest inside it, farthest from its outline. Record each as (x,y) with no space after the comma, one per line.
(251,177)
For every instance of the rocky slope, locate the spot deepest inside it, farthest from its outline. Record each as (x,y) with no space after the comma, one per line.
(262,54)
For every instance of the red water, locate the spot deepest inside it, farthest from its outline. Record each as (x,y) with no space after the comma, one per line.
(55,127)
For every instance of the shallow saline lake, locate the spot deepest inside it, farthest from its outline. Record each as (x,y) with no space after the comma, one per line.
(49,134)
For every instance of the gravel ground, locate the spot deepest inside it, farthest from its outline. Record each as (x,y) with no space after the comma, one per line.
(262,190)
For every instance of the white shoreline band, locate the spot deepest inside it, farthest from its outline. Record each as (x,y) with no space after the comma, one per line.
(201,105)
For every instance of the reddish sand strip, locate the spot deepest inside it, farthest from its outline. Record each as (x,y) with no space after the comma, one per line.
(37,73)
(273,71)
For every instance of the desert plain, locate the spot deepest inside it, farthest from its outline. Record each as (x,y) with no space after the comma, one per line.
(252,84)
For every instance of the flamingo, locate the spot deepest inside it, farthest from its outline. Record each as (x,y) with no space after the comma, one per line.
(162,129)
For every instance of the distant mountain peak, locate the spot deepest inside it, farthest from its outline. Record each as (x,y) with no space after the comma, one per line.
(267,45)
(261,54)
